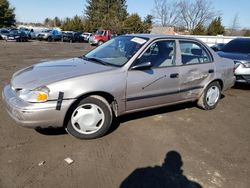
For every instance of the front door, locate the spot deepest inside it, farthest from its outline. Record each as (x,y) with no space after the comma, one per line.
(156,85)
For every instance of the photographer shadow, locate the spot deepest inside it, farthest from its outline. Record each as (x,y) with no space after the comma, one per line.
(169,175)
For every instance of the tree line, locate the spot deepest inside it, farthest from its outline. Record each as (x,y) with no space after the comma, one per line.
(105,14)
(198,17)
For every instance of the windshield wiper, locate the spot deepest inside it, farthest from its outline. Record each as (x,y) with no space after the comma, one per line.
(95,60)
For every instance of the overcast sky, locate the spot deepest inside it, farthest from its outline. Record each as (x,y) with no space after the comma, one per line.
(38,10)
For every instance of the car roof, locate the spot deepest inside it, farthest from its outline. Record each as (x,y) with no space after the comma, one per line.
(157,36)
(243,39)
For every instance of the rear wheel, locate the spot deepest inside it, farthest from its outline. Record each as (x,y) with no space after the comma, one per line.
(49,39)
(90,119)
(210,97)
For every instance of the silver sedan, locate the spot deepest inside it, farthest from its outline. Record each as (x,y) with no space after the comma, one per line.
(127,74)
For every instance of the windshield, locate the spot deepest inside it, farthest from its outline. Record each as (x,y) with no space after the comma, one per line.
(117,51)
(46,31)
(99,32)
(14,32)
(238,46)
(4,31)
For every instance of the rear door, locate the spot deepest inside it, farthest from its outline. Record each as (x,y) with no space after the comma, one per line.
(157,85)
(196,68)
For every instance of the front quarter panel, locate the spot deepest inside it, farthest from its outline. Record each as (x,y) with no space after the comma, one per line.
(111,82)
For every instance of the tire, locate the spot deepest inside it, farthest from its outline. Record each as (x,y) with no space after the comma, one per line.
(49,39)
(100,43)
(91,118)
(210,97)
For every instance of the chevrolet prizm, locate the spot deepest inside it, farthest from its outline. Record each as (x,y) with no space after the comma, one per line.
(127,74)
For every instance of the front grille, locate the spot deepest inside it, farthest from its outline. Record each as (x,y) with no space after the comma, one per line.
(243,77)
(246,77)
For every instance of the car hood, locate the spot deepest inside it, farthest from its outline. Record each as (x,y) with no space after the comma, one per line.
(13,35)
(45,73)
(234,56)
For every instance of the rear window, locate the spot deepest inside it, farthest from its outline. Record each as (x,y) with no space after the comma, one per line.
(238,46)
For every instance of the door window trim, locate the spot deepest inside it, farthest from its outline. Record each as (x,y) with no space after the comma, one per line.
(149,45)
(202,47)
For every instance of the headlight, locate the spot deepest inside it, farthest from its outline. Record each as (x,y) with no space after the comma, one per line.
(38,95)
(246,64)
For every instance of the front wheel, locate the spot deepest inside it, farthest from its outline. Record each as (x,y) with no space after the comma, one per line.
(90,119)
(100,43)
(210,97)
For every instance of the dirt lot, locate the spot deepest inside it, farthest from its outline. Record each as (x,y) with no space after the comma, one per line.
(211,147)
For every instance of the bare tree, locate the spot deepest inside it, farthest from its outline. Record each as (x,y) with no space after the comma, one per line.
(198,12)
(235,25)
(165,13)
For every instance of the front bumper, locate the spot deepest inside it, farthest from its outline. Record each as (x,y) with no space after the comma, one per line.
(34,115)
(93,41)
(243,78)
(242,74)
(42,37)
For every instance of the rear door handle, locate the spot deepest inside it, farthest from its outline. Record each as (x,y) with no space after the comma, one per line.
(174,75)
(211,71)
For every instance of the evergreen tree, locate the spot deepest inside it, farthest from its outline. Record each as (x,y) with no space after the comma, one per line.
(46,22)
(133,24)
(74,24)
(107,14)
(247,33)
(7,15)
(215,27)
(199,30)
(148,22)
(57,22)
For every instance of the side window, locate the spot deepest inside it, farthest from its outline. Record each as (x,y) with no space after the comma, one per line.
(160,54)
(193,53)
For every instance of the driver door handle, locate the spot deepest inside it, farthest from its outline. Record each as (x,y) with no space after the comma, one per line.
(174,75)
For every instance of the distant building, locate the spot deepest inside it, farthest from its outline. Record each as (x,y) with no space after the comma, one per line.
(163,30)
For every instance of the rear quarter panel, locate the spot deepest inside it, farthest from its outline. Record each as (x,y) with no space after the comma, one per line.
(224,71)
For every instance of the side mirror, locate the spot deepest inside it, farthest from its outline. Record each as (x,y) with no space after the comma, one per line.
(142,66)
(215,49)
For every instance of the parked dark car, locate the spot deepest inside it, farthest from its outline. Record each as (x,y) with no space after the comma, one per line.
(72,37)
(218,46)
(18,36)
(239,51)
(3,34)
(29,32)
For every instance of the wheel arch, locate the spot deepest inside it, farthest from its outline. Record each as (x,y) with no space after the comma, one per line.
(220,82)
(215,80)
(107,96)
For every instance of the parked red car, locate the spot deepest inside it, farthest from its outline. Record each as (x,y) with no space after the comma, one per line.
(100,37)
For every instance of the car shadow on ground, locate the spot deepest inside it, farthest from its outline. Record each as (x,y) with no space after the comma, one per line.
(169,175)
(128,117)
(242,86)
(142,114)
(51,131)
